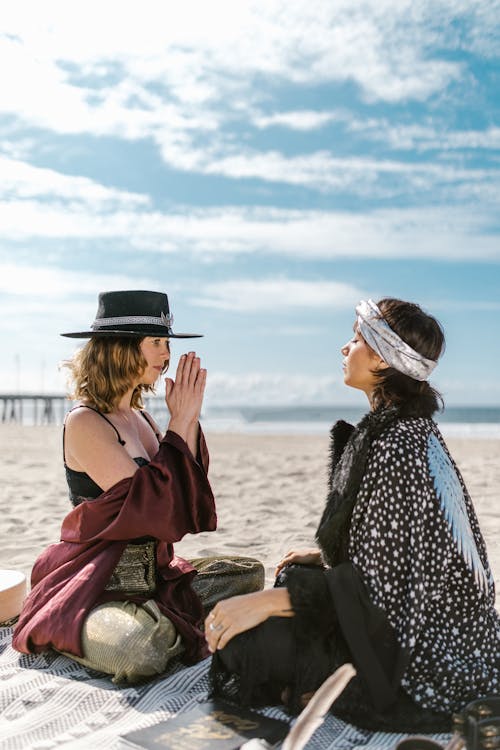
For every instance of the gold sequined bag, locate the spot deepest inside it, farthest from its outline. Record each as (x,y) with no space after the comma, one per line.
(223,576)
(135,572)
(476,727)
(479,723)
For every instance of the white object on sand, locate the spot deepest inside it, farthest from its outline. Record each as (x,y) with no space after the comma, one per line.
(314,713)
(12,593)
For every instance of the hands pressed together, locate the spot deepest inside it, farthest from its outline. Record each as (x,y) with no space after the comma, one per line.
(184,398)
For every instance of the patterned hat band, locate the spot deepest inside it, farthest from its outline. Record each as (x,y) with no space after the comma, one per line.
(102,323)
(388,345)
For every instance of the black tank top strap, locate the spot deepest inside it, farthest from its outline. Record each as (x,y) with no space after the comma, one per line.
(148,420)
(84,406)
(80,485)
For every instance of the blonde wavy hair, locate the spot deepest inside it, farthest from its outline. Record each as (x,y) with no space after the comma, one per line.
(103,370)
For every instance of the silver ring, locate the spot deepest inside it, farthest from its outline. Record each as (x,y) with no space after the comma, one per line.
(215,627)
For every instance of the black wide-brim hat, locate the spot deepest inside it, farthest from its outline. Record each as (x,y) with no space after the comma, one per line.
(132,313)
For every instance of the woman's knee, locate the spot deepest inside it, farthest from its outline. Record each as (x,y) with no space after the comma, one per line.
(232,653)
(131,642)
(270,644)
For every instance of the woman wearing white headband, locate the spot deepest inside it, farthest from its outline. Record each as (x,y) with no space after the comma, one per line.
(400,584)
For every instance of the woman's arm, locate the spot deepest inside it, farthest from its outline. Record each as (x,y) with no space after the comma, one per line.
(166,499)
(91,443)
(91,446)
(232,616)
(184,398)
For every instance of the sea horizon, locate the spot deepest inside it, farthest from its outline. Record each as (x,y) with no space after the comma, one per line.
(454,421)
(475,421)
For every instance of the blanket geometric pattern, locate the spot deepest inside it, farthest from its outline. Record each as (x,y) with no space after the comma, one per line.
(49,701)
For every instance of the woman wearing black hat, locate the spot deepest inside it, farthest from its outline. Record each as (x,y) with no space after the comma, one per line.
(112,594)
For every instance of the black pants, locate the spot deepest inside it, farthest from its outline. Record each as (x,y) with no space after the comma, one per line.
(258,666)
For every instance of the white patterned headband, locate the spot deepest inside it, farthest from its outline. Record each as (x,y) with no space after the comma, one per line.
(394,351)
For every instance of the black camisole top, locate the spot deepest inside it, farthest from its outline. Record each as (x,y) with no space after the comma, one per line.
(82,487)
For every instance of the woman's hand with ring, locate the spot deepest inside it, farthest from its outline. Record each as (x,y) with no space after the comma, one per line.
(238,614)
(232,616)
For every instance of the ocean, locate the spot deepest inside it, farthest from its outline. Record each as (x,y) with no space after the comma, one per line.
(455,421)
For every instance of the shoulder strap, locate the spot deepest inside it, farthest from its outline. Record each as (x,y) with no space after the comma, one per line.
(149,423)
(84,406)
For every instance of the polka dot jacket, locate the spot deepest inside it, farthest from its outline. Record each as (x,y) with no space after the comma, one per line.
(415,540)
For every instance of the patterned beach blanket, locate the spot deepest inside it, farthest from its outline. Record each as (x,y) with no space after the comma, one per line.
(48,701)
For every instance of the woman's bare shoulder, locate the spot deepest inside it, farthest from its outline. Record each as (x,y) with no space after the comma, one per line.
(92,445)
(86,419)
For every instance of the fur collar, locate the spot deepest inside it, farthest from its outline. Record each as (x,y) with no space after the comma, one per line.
(349,451)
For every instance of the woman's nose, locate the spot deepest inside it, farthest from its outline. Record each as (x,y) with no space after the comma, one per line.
(345,350)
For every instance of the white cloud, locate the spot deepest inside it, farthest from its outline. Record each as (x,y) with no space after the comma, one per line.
(427,232)
(259,388)
(21,180)
(277,293)
(289,389)
(320,170)
(158,75)
(361,176)
(19,149)
(36,284)
(80,70)
(303,119)
(43,94)
(29,219)
(430,133)
(473,139)
(424,137)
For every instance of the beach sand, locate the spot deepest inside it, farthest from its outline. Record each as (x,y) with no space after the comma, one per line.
(269,489)
(270,492)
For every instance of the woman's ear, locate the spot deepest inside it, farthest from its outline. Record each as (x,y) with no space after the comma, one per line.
(381,365)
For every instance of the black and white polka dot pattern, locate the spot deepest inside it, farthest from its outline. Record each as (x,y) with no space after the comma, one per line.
(423,559)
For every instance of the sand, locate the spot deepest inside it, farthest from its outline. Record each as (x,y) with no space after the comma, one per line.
(269,489)
(270,492)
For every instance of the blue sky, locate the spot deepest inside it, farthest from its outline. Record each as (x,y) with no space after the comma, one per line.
(268,164)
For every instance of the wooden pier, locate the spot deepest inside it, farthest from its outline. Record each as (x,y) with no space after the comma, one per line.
(33,408)
(44,408)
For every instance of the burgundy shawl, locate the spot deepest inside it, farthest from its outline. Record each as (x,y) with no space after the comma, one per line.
(166,499)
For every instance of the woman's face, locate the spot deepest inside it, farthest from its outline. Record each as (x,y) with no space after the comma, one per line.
(156,352)
(360,362)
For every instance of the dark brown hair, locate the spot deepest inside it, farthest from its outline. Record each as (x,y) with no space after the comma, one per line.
(103,370)
(424,334)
